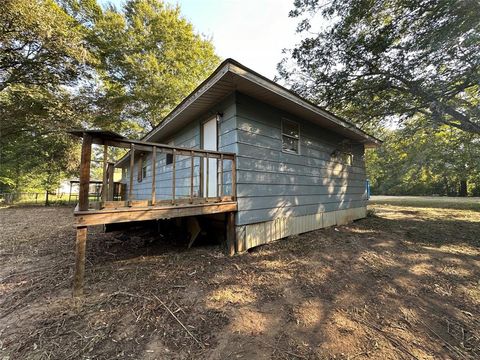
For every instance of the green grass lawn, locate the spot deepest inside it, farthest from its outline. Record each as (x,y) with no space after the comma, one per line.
(461,203)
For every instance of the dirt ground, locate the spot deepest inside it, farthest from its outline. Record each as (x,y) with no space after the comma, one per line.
(402,284)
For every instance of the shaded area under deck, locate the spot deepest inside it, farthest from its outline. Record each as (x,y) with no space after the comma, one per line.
(107,211)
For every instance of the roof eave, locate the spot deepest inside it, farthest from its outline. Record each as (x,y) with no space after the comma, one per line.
(234,67)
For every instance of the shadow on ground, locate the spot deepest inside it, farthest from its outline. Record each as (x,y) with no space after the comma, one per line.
(400,284)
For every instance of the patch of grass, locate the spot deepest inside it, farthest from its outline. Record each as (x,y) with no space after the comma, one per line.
(442,202)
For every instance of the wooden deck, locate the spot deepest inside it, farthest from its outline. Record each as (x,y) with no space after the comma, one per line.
(196,202)
(118,214)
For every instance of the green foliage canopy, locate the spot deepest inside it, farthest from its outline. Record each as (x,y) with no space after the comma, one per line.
(380,61)
(150,59)
(418,160)
(72,64)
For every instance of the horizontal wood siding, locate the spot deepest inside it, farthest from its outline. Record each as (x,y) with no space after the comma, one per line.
(273,184)
(188,137)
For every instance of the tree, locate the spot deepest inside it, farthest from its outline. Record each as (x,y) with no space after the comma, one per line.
(151,58)
(42,53)
(40,45)
(71,64)
(35,150)
(418,160)
(382,61)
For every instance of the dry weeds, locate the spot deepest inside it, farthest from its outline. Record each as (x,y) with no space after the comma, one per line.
(401,284)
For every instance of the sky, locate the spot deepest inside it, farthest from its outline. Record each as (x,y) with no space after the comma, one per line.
(253,32)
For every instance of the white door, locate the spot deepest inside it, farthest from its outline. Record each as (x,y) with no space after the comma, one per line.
(209,136)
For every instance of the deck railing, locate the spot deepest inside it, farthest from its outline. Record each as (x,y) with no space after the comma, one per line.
(138,149)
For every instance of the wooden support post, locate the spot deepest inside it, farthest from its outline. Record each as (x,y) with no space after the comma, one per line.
(85,172)
(230,236)
(154,173)
(234,178)
(69,194)
(132,165)
(192,163)
(105,173)
(79,275)
(111,184)
(173,175)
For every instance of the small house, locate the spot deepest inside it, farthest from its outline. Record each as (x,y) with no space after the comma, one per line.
(239,148)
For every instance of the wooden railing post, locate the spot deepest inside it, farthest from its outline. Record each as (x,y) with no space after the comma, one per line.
(105,173)
(234,178)
(132,165)
(173,175)
(221,176)
(85,172)
(208,173)
(111,183)
(154,173)
(192,163)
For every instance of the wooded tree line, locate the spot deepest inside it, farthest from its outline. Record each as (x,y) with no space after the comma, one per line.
(69,64)
(407,71)
(418,160)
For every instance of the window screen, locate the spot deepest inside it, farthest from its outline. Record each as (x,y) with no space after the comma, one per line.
(290,137)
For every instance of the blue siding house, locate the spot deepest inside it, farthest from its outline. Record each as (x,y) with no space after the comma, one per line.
(298,167)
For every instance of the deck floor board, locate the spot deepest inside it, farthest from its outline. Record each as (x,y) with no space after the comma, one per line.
(127,214)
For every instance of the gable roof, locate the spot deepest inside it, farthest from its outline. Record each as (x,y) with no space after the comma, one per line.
(232,76)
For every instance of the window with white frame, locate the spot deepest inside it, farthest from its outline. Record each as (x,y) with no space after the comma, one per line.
(290,137)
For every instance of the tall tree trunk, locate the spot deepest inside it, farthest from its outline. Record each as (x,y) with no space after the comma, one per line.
(463,188)
(46,198)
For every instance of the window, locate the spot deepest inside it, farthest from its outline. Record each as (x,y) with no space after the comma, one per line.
(290,137)
(343,157)
(169,159)
(347,158)
(142,168)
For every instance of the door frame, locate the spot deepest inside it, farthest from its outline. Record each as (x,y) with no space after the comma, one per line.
(215,117)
